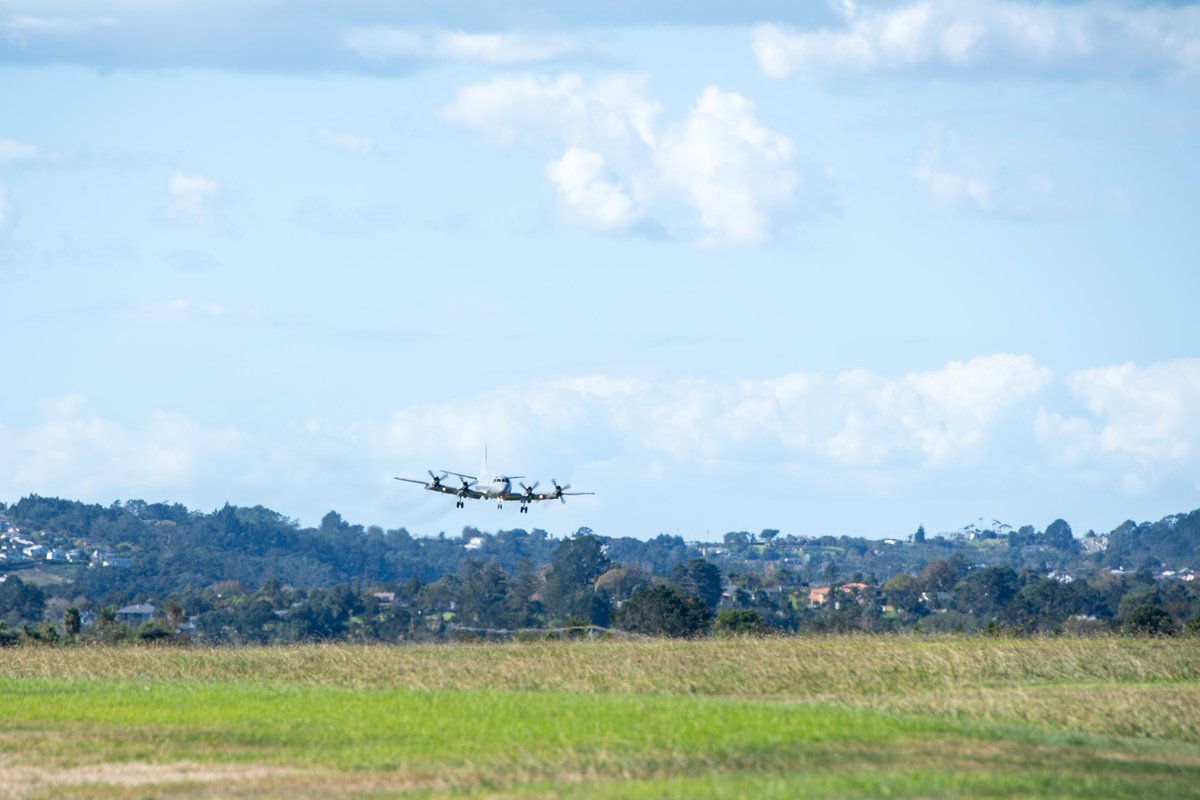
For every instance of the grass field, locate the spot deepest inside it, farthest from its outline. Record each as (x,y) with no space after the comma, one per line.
(851,716)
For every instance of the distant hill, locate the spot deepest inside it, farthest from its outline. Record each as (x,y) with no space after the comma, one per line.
(1173,540)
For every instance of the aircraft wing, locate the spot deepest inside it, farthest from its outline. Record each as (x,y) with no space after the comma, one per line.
(550,495)
(431,486)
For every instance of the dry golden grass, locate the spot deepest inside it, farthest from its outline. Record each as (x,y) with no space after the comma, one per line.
(1105,685)
(792,668)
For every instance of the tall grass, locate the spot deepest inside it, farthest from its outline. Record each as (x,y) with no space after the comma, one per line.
(796,668)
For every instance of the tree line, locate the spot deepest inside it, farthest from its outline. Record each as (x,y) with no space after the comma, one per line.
(251,575)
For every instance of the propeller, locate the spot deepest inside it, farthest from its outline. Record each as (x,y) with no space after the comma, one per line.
(529,490)
(466,486)
(558,491)
(437,479)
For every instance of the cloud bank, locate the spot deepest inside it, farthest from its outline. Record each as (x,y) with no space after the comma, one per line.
(1096,39)
(1124,429)
(364,36)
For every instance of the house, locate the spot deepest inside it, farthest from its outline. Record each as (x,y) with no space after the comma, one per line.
(35,551)
(386,599)
(818,596)
(117,562)
(56,555)
(139,612)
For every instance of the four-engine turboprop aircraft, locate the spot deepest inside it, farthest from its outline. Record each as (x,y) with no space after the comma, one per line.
(492,487)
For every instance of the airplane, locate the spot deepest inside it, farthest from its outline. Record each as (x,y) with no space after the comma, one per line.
(493,487)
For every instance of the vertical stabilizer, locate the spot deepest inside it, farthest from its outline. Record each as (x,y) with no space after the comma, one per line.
(483,470)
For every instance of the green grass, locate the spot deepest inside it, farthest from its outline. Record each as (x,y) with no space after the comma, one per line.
(783,718)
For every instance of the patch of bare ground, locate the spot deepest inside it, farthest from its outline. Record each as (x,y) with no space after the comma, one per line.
(27,780)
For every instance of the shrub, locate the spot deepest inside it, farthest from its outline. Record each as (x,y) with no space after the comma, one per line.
(1149,620)
(741,622)
(664,611)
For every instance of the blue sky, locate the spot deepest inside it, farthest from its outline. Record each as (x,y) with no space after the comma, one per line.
(843,268)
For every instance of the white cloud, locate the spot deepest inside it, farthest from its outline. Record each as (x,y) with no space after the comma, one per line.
(995,177)
(1089,39)
(13,150)
(735,179)
(190,194)
(1141,422)
(855,420)
(579,178)
(20,28)
(383,42)
(730,168)
(611,112)
(347,142)
(75,451)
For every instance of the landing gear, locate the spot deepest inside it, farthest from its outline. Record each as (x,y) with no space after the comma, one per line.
(459,504)
(524,509)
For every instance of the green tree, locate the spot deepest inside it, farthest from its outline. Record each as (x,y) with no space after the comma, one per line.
(986,591)
(1149,620)
(903,592)
(570,583)
(20,601)
(737,541)
(483,589)
(701,578)
(740,622)
(664,611)
(521,610)
(72,621)
(941,574)
(1058,535)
